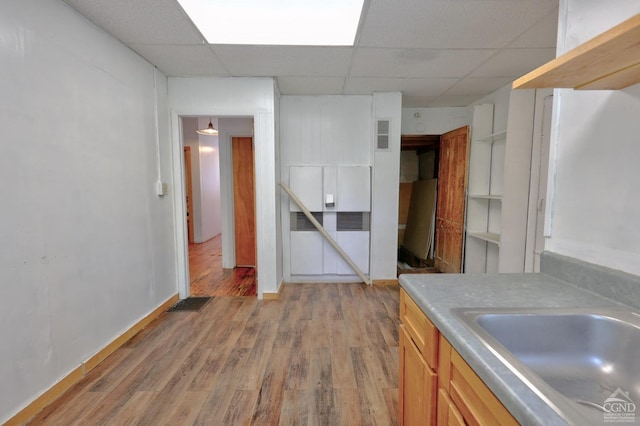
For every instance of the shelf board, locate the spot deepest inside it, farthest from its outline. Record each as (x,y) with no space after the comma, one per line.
(486,236)
(494,137)
(610,61)
(485,196)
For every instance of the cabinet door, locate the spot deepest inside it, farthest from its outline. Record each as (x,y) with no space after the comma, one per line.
(418,385)
(353,189)
(448,413)
(356,245)
(306,183)
(472,398)
(306,253)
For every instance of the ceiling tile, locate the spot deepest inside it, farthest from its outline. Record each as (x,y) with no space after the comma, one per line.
(408,86)
(416,101)
(436,52)
(477,86)
(182,61)
(514,62)
(370,62)
(542,34)
(453,101)
(287,61)
(310,85)
(450,23)
(140,21)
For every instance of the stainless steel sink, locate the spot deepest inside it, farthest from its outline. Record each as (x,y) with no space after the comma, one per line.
(575,359)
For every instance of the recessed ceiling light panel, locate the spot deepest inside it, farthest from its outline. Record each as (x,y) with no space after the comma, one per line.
(276,22)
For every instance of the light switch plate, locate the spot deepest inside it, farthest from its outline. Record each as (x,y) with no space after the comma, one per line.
(162,188)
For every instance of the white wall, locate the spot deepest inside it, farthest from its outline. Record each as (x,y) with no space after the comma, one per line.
(326,130)
(594,213)
(321,131)
(434,121)
(385,188)
(232,97)
(338,130)
(209,157)
(86,246)
(517,174)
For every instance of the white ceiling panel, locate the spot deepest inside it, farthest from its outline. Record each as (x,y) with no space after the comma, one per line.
(514,62)
(415,86)
(416,101)
(182,61)
(140,21)
(450,24)
(543,34)
(453,101)
(370,62)
(310,85)
(287,61)
(436,52)
(477,85)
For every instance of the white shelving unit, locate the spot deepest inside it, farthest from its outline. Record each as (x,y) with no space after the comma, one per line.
(485,197)
(486,236)
(484,204)
(494,137)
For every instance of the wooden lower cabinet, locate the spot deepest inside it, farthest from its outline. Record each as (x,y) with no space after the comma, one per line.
(445,390)
(418,385)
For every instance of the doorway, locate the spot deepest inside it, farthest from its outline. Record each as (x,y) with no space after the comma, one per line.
(431,218)
(205,169)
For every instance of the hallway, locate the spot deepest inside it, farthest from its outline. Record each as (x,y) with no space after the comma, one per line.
(208,278)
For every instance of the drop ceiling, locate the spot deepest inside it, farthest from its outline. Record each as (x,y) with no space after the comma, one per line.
(438,53)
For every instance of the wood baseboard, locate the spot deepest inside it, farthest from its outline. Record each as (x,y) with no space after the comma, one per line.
(79,372)
(385,282)
(273,296)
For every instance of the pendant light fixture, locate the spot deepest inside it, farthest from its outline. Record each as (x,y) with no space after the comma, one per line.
(209,131)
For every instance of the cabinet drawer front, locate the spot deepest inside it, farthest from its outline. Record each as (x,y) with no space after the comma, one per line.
(421,330)
(478,405)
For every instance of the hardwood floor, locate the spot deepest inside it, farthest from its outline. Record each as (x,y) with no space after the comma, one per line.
(322,354)
(209,279)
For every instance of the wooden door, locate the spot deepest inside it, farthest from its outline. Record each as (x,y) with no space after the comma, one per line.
(452,186)
(188,192)
(244,201)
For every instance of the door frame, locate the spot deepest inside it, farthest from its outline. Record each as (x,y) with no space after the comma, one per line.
(226,195)
(539,168)
(189,194)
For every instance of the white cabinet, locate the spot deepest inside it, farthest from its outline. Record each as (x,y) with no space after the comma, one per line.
(356,245)
(306,253)
(346,221)
(350,187)
(354,189)
(306,183)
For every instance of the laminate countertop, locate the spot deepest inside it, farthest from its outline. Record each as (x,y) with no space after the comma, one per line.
(437,294)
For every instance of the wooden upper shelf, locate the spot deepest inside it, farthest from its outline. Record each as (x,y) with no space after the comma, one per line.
(609,61)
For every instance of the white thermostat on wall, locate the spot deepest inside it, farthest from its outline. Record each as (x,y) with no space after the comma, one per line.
(329,200)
